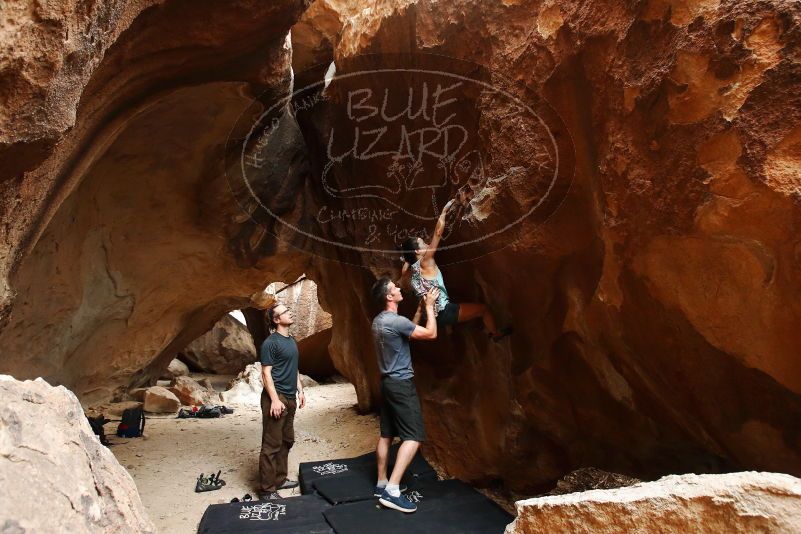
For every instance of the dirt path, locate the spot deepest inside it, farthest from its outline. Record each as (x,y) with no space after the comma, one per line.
(166,462)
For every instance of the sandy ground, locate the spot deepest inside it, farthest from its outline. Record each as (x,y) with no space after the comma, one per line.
(166,462)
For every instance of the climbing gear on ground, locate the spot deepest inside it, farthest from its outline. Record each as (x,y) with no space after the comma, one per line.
(211,483)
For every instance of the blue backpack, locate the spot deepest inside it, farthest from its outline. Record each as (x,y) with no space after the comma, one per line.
(132,424)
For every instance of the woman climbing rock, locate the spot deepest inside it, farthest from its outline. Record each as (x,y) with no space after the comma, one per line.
(420,266)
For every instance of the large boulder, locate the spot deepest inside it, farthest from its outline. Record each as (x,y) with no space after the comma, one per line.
(159,399)
(302,298)
(735,503)
(246,387)
(225,349)
(189,392)
(176,368)
(55,476)
(655,300)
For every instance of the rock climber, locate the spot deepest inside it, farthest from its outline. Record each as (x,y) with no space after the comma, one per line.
(420,266)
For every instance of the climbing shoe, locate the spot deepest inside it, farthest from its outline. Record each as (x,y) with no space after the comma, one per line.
(211,483)
(400,503)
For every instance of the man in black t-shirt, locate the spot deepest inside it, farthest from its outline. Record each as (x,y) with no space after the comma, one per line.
(279,373)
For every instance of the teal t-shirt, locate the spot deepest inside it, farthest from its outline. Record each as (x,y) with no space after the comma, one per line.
(282,353)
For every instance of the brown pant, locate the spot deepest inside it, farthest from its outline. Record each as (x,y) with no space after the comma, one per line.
(277,437)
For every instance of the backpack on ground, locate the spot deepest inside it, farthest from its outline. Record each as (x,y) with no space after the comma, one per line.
(132,424)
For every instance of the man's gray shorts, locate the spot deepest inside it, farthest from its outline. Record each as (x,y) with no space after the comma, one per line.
(400,412)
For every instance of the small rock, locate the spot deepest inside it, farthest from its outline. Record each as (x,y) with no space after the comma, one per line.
(176,368)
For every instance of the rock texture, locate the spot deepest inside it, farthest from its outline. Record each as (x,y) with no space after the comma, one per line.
(655,309)
(116,119)
(743,503)
(176,368)
(55,476)
(310,318)
(654,300)
(225,349)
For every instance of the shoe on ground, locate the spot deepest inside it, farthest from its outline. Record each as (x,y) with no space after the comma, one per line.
(289,484)
(400,503)
(380,489)
(272,495)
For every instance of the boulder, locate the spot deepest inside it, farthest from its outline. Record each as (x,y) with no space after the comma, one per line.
(55,476)
(225,349)
(246,387)
(735,503)
(159,399)
(176,368)
(189,392)
(137,394)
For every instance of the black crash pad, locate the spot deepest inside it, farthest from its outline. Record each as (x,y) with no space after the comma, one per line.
(364,466)
(294,515)
(348,487)
(443,507)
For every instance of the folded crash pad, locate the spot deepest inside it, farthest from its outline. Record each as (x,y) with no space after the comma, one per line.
(294,515)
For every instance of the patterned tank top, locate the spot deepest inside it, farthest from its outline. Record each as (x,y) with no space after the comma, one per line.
(423,285)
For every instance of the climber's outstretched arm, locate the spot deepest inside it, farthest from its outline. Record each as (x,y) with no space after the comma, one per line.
(439,229)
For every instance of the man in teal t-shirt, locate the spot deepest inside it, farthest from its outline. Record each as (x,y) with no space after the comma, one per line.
(279,373)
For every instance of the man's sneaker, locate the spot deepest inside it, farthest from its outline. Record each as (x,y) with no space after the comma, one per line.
(289,484)
(380,489)
(400,503)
